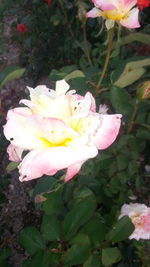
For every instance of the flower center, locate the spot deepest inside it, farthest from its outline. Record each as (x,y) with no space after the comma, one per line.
(114,14)
(54,143)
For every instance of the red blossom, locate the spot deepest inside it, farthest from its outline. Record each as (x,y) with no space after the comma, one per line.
(143,3)
(47,1)
(21,27)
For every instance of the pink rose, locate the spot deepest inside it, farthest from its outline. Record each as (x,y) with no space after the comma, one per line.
(59,129)
(121,11)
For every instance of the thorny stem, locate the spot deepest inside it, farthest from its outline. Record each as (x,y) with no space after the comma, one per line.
(110,40)
(86,50)
(130,125)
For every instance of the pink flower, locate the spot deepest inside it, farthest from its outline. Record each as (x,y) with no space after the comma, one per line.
(121,11)
(22,28)
(59,129)
(140,217)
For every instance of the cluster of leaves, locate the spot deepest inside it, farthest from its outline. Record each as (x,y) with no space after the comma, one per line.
(72,231)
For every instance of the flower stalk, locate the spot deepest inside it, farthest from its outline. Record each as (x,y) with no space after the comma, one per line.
(110,41)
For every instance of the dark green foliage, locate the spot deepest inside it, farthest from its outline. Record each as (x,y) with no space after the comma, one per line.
(31,240)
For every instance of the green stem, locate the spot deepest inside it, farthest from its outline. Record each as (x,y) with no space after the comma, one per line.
(119,34)
(130,125)
(86,49)
(110,40)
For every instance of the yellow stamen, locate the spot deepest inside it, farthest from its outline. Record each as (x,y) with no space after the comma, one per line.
(114,14)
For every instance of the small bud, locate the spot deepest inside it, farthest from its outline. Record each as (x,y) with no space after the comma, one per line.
(143,92)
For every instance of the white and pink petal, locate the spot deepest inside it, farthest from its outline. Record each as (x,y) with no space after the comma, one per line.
(108,130)
(61,88)
(103,4)
(131,21)
(15,153)
(94,13)
(48,161)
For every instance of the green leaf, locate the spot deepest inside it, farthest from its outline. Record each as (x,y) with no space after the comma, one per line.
(80,84)
(10,73)
(136,64)
(82,193)
(45,184)
(123,141)
(41,259)
(137,36)
(96,230)
(130,77)
(92,261)
(143,134)
(74,74)
(131,72)
(56,75)
(121,230)
(122,162)
(55,259)
(50,228)
(31,240)
(53,205)
(26,263)
(110,256)
(79,251)
(81,212)
(121,100)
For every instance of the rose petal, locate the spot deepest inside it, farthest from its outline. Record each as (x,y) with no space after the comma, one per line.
(37,163)
(82,107)
(61,87)
(37,132)
(128,4)
(103,4)
(93,13)
(108,130)
(39,90)
(15,153)
(131,21)
(72,171)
